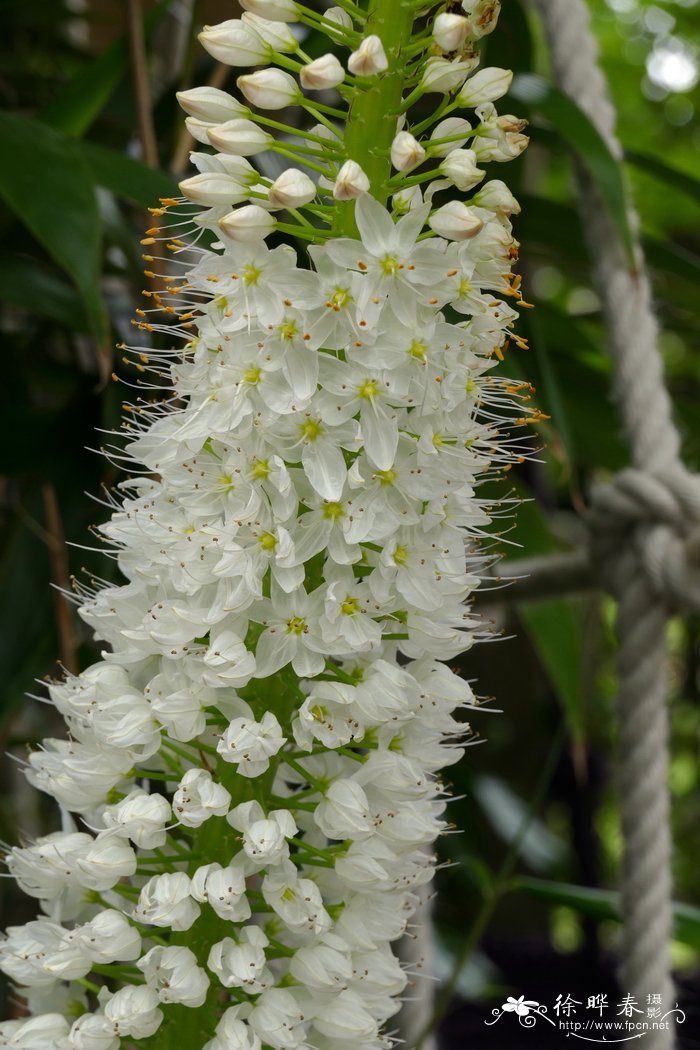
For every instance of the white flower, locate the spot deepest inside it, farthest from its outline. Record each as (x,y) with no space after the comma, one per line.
(108,937)
(92,1032)
(344,812)
(241,963)
(234,43)
(140,816)
(165,901)
(345,1017)
(406,152)
(297,901)
(249,223)
(485,86)
(210,104)
(321,966)
(270,88)
(233,1033)
(250,744)
(483,15)
(214,188)
(223,889)
(240,137)
(276,35)
(449,134)
(456,221)
(460,167)
(350,182)
(322,73)
(450,31)
(443,75)
(174,974)
(370,58)
(291,634)
(278,1019)
(291,189)
(279,10)
(134,1011)
(199,797)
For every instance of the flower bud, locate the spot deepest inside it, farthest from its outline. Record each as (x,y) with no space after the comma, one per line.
(339,17)
(234,43)
(483,16)
(276,35)
(370,58)
(199,129)
(323,72)
(243,138)
(460,167)
(450,128)
(351,182)
(270,89)
(250,223)
(275,10)
(441,75)
(214,188)
(450,31)
(485,86)
(291,188)
(406,151)
(210,104)
(455,221)
(406,200)
(496,196)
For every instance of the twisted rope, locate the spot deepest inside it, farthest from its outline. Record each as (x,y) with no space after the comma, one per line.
(645,536)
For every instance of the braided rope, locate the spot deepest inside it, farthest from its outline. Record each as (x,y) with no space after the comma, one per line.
(644,536)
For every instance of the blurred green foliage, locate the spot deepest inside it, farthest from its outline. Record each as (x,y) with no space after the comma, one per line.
(73,194)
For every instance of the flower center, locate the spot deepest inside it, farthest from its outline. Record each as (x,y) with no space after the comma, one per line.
(261,468)
(252,274)
(418,350)
(311,429)
(386,477)
(340,298)
(252,375)
(333,511)
(368,390)
(295,625)
(288,330)
(389,265)
(400,554)
(268,541)
(349,606)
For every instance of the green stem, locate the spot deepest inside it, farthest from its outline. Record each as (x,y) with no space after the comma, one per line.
(371,127)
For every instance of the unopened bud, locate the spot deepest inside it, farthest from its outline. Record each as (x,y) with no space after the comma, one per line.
(406,151)
(496,196)
(370,58)
(485,86)
(199,129)
(214,188)
(276,10)
(250,223)
(323,72)
(450,31)
(234,44)
(351,182)
(338,17)
(455,221)
(442,76)
(276,35)
(291,189)
(210,104)
(243,138)
(454,128)
(460,168)
(269,88)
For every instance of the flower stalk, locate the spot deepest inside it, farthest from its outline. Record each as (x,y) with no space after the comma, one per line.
(250,791)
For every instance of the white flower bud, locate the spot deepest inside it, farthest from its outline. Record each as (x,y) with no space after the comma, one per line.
(270,88)
(174,974)
(496,196)
(250,223)
(485,86)
(442,75)
(455,128)
(406,200)
(243,138)
(460,167)
(199,129)
(108,937)
(214,188)
(251,744)
(406,151)
(140,816)
(276,35)
(165,901)
(133,1010)
(92,1032)
(323,72)
(275,10)
(338,17)
(370,58)
(210,104)
(483,16)
(450,31)
(292,188)
(351,182)
(455,221)
(239,964)
(234,43)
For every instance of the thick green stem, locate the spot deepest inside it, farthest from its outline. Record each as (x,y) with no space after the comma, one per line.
(371,123)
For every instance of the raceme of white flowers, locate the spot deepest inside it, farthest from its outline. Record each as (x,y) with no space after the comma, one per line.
(250,789)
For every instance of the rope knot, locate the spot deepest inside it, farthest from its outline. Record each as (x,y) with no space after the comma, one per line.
(649,523)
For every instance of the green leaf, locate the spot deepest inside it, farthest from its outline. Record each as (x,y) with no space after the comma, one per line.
(75,108)
(126,177)
(584,139)
(31,285)
(679,180)
(605,904)
(44,180)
